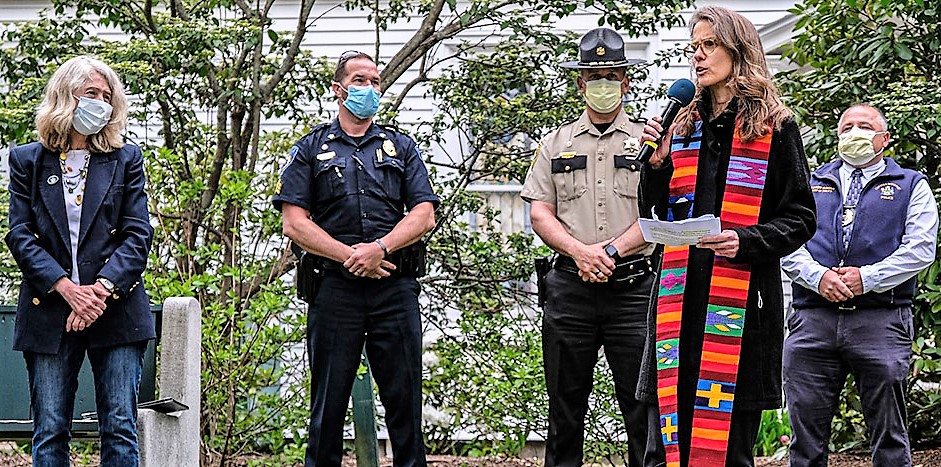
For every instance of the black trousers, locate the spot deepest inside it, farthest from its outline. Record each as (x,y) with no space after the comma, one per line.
(384,315)
(579,319)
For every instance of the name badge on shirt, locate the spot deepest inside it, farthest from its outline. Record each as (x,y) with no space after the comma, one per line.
(567,155)
(325,156)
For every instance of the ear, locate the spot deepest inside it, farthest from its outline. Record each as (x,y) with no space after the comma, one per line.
(337,91)
(625,85)
(580,84)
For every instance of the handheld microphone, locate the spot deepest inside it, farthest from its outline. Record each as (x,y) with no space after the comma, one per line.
(680,95)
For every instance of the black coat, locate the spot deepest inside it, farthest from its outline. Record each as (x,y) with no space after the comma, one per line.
(114,239)
(786,221)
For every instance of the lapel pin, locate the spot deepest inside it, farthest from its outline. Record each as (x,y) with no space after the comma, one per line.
(53,179)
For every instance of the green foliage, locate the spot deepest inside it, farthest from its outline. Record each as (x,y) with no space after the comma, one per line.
(885,53)
(774,435)
(484,371)
(206,74)
(882,52)
(209,181)
(848,428)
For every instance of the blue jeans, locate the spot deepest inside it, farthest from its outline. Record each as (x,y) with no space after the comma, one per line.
(53,380)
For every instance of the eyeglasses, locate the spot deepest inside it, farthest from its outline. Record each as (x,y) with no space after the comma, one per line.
(708,47)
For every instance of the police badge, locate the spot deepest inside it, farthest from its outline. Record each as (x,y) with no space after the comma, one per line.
(632,145)
(388,147)
(849,214)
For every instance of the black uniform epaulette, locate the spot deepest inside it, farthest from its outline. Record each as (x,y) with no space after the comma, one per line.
(318,127)
(390,128)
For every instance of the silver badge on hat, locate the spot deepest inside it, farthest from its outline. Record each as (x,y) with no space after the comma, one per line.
(53,179)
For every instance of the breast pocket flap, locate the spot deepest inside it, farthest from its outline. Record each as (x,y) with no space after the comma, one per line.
(329,164)
(568,164)
(626,161)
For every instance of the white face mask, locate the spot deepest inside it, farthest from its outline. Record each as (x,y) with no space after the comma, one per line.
(603,96)
(91,115)
(855,146)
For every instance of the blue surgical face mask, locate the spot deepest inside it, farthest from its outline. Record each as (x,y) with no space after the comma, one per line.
(91,115)
(362,101)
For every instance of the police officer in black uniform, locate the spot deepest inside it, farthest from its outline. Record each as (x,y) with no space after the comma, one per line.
(356,198)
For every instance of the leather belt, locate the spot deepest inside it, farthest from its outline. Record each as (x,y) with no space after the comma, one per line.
(629,269)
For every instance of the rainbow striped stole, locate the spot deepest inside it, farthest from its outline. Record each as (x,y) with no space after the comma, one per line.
(725,312)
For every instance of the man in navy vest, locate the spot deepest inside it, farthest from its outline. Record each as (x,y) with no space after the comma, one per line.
(877,227)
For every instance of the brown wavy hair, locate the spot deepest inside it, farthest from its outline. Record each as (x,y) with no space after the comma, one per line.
(759,104)
(54,116)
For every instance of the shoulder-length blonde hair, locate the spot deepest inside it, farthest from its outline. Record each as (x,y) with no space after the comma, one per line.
(760,108)
(54,116)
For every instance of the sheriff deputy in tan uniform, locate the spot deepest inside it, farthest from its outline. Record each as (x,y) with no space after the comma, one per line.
(584,189)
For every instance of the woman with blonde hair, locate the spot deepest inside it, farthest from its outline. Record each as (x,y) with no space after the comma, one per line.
(80,234)
(713,352)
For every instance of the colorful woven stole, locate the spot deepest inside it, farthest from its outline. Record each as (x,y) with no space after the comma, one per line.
(725,313)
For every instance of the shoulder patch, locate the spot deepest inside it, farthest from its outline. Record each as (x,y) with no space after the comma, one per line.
(535,157)
(292,155)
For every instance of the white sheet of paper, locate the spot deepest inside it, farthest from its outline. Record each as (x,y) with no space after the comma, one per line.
(684,232)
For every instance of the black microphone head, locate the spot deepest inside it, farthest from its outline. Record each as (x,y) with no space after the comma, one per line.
(683,91)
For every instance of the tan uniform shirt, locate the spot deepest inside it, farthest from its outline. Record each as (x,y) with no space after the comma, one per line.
(590,177)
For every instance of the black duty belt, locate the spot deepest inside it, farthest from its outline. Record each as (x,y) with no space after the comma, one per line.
(629,269)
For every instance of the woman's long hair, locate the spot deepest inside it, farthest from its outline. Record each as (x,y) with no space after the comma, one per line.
(54,116)
(759,104)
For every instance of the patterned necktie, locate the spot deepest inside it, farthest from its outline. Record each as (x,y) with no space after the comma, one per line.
(849,206)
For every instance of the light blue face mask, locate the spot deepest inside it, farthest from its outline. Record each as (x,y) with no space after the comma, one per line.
(362,101)
(91,115)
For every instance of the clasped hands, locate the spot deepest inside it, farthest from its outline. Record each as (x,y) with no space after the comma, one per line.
(594,265)
(841,284)
(87,303)
(366,260)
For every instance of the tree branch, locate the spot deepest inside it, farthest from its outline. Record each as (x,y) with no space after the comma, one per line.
(292,51)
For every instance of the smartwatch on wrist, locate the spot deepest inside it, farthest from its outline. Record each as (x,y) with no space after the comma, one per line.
(612,251)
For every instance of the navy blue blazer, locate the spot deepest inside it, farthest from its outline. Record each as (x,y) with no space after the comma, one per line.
(114,239)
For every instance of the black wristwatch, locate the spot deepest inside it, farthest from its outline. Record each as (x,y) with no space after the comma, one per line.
(612,251)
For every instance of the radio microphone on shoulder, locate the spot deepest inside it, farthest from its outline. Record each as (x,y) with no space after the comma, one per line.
(679,95)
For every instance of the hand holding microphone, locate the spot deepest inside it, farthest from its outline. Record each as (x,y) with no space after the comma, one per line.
(679,95)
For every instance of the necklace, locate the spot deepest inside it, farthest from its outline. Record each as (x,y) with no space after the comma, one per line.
(72,179)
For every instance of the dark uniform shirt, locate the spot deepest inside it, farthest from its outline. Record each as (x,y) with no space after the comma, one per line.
(356,189)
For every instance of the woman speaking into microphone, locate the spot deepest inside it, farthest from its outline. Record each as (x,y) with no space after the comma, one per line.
(713,353)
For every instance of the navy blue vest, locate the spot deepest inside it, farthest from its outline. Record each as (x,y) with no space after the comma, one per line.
(877,233)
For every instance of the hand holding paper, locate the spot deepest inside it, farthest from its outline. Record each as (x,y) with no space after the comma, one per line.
(684,232)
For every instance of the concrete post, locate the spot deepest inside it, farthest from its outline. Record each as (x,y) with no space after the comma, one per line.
(173,440)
